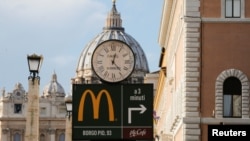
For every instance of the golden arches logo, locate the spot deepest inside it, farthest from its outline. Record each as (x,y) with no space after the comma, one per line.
(96,104)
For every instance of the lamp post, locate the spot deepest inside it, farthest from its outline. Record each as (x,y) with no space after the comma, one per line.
(32,116)
(68,128)
(35,63)
(68,104)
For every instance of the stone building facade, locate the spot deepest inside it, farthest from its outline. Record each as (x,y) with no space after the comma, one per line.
(13,112)
(204,68)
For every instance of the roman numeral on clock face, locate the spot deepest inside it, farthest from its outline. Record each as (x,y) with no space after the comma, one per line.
(113,61)
(106,74)
(101,69)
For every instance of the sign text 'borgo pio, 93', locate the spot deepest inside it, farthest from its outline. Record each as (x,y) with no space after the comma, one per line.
(117,111)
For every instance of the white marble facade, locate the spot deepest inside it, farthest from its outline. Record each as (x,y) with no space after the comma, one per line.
(13,108)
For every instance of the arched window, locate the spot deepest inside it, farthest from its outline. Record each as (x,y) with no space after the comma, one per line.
(232,97)
(62,137)
(42,137)
(232,94)
(17,137)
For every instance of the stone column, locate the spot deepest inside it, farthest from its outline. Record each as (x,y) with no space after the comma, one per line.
(52,133)
(32,115)
(5,133)
(68,129)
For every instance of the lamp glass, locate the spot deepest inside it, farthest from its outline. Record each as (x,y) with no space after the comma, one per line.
(69,106)
(34,62)
(34,65)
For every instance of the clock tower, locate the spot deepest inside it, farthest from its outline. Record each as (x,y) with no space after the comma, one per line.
(116,66)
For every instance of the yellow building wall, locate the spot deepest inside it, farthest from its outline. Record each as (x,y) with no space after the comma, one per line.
(179,135)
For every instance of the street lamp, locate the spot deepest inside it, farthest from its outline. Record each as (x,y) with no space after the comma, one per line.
(68,128)
(68,104)
(35,63)
(32,115)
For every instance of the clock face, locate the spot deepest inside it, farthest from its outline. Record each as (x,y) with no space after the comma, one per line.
(113,61)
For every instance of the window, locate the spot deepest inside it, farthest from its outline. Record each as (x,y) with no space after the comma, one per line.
(240,89)
(233,8)
(42,137)
(43,111)
(17,137)
(232,97)
(62,137)
(18,108)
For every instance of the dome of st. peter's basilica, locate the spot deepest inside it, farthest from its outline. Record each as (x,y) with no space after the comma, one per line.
(113,30)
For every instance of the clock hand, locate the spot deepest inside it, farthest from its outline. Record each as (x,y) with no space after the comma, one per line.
(113,62)
(117,66)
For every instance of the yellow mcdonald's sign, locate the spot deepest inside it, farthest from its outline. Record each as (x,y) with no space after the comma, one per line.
(96,104)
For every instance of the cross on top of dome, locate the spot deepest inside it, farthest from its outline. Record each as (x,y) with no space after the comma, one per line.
(113,20)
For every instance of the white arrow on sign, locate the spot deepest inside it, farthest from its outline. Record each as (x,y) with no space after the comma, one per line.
(142,109)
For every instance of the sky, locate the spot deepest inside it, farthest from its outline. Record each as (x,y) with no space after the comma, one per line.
(59,30)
